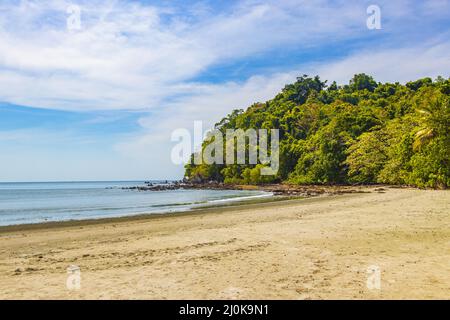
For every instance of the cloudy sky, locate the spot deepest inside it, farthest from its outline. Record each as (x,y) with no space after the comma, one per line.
(98,100)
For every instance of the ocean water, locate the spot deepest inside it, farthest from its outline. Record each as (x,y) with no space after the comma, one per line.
(23,203)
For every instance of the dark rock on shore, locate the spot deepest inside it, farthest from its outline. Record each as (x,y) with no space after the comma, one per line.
(276,189)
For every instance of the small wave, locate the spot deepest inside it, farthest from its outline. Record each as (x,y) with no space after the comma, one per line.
(176,204)
(270,194)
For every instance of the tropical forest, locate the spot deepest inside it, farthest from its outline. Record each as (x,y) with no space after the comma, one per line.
(363,132)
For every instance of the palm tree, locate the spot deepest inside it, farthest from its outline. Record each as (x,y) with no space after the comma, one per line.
(435,121)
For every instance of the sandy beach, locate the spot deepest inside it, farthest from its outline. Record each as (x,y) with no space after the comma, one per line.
(316,248)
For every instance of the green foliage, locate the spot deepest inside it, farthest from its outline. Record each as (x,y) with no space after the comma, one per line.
(361,82)
(305,86)
(253,176)
(366,157)
(362,132)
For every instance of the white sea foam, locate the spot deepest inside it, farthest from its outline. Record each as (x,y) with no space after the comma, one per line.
(266,194)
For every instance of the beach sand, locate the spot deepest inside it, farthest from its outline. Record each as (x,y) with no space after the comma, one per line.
(317,248)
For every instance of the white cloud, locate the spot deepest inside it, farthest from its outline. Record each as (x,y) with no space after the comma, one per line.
(211,103)
(392,65)
(134,56)
(129,55)
(208,104)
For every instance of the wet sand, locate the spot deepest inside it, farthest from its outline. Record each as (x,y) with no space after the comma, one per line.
(317,248)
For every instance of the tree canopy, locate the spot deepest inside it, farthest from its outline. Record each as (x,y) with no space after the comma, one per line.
(363,132)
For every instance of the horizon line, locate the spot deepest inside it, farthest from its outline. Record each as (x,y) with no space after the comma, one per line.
(81,181)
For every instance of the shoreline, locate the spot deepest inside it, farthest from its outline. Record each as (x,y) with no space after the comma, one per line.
(236,205)
(280,189)
(280,193)
(310,248)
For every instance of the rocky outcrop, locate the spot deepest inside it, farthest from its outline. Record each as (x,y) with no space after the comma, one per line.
(276,189)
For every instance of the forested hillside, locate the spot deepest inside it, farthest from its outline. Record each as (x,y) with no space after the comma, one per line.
(363,132)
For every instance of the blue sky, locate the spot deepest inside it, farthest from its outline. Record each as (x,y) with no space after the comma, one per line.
(100,102)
